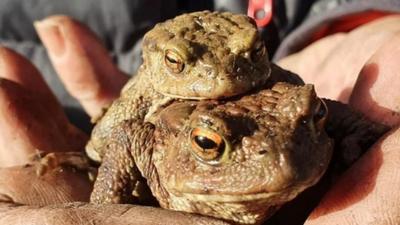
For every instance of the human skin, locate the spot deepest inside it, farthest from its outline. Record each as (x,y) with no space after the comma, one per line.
(370,195)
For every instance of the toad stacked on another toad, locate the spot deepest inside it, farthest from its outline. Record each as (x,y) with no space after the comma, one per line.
(238,158)
(203,55)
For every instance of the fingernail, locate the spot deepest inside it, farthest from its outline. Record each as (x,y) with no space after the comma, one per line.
(4,62)
(51,35)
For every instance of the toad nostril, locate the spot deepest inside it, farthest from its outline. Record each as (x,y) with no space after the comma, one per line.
(262,151)
(210,73)
(208,69)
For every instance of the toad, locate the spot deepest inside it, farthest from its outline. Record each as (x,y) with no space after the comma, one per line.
(202,55)
(238,159)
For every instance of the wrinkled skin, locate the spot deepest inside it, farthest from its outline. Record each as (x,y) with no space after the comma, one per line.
(202,55)
(238,160)
(124,139)
(380,204)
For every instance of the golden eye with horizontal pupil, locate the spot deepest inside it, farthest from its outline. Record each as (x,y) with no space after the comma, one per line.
(173,61)
(320,114)
(207,145)
(258,51)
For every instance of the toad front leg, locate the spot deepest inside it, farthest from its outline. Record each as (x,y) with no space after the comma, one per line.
(118,176)
(353,133)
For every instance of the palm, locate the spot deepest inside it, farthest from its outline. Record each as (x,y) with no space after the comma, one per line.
(35,121)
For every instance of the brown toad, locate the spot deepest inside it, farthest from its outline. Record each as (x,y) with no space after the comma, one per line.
(259,145)
(238,160)
(202,55)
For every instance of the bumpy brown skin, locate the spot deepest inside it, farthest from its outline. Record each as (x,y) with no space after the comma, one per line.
(141,136)
(202,55)
(274,146)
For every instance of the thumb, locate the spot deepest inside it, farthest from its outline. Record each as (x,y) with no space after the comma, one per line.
(108,214)
(368,192)
(376,93)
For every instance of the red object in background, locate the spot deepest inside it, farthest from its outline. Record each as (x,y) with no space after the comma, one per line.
(348,23)
(260,11)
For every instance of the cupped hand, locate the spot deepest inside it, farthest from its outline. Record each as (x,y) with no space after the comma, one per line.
(33,123)
(361,68)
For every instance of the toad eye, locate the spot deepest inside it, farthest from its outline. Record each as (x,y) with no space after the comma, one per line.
(320,114)
(207,145)
(258,51)
(173,61)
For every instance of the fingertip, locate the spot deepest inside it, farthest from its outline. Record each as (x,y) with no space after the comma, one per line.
(49,31)
(58,31)
(29,125)
(17,68)
(376,91)
(81,61)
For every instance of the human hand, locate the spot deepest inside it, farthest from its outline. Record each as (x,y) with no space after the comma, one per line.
(368,192)
(34,121)
(92,83)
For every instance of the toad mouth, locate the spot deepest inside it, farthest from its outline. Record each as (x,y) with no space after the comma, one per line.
(290,193)
(284,194)
(234,94)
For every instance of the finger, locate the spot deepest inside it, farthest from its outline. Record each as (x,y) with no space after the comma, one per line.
(64,185)
(333,64)
(112,214)
(28,127)
(368,192)
(82,62)
(308,61)
(16,68)
(338,74)
(376,92)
